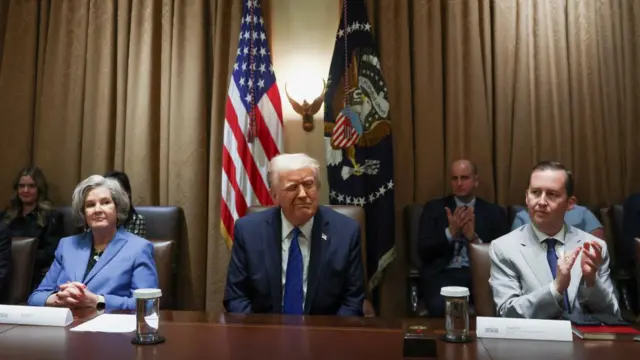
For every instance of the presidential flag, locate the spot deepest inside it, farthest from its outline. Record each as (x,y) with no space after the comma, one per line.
(253,123)
(358,141)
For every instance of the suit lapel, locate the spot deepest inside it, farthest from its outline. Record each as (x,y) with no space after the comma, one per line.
(572,241)
(535,256)
(273,249)
(109,253)
(320,240)
(80,257)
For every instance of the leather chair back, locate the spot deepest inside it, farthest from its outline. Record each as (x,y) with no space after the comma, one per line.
(165,226)
(512,210)
(69,224)
(411,215)
(23,257)
(480,273)
(163,254)
(356,213)
(611,231)
(163,222)
(595,210)
(618,232)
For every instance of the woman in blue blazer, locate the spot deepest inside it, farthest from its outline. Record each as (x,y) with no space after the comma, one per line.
(102,267)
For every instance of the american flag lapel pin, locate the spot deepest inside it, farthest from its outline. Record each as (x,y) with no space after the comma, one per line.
(324,236)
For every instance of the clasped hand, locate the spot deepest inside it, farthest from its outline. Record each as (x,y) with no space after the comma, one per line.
(73,295)
(462,220)
(589,263)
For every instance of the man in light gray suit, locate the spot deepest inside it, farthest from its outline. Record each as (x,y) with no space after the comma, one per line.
(544,268)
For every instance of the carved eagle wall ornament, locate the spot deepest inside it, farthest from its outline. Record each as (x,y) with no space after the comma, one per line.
(305,109)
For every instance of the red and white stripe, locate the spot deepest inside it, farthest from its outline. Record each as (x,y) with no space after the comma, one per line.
(244,164)
(344,135)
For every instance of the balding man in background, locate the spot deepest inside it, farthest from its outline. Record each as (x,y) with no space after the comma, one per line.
(447,226)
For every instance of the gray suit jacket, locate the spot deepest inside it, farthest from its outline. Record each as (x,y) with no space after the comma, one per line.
(520,277)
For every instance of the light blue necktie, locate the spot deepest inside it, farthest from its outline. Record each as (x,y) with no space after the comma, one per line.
(552,259)
(293,293)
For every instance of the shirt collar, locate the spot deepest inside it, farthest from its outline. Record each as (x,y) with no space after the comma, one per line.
(459,202)
(287,227)
(542,236)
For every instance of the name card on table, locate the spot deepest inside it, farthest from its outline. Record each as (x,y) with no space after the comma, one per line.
(524,329)
(35,315)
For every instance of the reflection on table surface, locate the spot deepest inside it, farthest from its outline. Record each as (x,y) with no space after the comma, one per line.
(194,334)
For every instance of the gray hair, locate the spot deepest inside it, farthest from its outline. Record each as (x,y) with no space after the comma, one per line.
(118,195)
(292,162)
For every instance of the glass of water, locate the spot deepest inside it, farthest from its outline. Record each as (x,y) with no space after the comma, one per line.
(147,316)
(456,313)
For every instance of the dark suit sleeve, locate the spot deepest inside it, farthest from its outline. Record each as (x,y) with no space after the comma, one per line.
(432,241)
(354,289)
(236,296)
(630,228)
(53,232)
(5,260)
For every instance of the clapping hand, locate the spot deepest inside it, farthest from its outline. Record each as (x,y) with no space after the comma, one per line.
(590,261)
(462,220)
(563,270)
(469,221)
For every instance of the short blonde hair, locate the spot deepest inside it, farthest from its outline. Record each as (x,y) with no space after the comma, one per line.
(292,162)
(118,195)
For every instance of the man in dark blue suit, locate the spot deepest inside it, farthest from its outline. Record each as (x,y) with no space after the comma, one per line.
(5,262)
(298,257)
(447,225)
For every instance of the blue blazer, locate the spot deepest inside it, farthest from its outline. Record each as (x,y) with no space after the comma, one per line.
(127,264)
(335,280)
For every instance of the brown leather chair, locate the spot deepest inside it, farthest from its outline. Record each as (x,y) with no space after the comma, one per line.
(612,218)
(356,213)
(480,263)
(165,226)
(23,257)
(612,229)
(69,223)
(411,220)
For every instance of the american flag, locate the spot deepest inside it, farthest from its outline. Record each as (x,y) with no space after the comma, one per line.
(253,123)
(344,135)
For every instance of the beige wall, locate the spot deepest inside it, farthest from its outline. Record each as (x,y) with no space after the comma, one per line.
(302,37)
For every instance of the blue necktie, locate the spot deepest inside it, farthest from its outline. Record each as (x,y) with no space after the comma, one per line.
(552,259)
(293,293)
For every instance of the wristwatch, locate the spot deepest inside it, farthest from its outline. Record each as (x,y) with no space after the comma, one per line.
(100,305)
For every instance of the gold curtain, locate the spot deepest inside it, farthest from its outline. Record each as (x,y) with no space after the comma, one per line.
(508,83)
(140,85)
(136,85)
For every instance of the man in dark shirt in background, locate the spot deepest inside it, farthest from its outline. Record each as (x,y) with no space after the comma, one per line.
(447,226)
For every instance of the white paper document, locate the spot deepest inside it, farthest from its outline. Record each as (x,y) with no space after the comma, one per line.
(35,315)
(525,329)
(111,323)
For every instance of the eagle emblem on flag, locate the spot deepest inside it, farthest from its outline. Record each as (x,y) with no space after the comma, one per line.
(363,120)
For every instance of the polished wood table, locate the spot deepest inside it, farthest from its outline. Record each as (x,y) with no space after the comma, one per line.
(194,335)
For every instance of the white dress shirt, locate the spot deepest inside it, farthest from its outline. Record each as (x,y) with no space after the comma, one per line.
(304,240)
